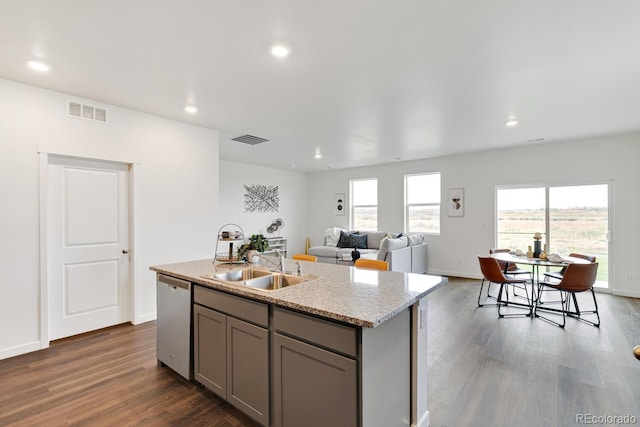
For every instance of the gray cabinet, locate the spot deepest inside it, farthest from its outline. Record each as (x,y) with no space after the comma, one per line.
(287,368)
(248,368)
(314,385)
(209,349)
(231,350)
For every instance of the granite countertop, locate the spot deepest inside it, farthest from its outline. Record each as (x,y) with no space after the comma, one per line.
(352,295)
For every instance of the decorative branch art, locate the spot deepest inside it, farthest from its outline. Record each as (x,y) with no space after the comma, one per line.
(261,198)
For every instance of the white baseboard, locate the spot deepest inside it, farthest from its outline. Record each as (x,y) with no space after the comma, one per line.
(149,317)
(20,349)
(424,421)
(623,293)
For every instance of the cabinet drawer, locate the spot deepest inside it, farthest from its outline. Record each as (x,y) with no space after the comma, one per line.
(251,311)
(335,336)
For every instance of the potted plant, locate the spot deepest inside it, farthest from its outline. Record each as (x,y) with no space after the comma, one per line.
(257,243)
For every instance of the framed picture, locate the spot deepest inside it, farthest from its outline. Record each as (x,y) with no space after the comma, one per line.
(339,204)
(456,202)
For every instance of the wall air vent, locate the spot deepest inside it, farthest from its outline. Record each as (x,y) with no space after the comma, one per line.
(83,110)
(249,139)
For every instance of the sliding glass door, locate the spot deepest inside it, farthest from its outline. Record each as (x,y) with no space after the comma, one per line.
(579,223)
(571,219)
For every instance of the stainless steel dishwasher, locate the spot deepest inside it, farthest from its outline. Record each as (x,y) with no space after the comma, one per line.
(173,325)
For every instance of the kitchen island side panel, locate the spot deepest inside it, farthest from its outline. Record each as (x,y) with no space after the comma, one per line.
(386,373)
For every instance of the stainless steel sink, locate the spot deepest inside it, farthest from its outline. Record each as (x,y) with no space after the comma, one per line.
(275,281)
(241,275)
(260,279)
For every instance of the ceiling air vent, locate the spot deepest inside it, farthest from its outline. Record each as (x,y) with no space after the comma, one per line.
(249,139)
(83,110)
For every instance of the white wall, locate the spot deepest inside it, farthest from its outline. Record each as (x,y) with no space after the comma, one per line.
(454,252)
(292,192)
(178,210)
(177,200)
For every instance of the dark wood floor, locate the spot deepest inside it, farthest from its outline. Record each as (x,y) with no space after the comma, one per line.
(105,378)
(483,371)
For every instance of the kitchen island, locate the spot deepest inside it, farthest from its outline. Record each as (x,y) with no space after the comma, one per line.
(346,346)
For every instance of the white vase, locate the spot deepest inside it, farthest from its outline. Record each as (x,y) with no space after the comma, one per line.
(252,256)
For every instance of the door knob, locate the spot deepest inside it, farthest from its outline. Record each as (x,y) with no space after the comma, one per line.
(124,251)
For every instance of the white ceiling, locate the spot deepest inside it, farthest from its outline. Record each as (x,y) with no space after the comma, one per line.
(368,81)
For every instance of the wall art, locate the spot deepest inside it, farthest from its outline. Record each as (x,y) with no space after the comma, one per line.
(456,202)
(261,198)
(339,203)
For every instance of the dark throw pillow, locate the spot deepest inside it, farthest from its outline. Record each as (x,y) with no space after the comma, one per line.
(351,240)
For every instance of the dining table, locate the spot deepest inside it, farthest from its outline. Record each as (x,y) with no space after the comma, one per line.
(511,258)
(536,263)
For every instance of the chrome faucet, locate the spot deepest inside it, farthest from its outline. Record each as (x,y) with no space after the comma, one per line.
(299,268)
(278,264)
(281,259)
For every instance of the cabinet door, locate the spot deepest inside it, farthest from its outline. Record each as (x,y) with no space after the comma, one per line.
(248,368)
(312,386)
(209,348)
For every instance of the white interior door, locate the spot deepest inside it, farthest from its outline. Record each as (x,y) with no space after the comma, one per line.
(88,240)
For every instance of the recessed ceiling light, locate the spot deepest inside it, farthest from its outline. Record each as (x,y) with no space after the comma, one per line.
(511,122)
(318,156)
(190,109)
(38,66)
(280,50)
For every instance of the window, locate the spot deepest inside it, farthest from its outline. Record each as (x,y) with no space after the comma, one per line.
(422,203)
(572,219)
(364,204)
(520,214)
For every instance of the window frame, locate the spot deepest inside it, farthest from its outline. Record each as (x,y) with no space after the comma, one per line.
(547,218)
(408,205)
(353,206)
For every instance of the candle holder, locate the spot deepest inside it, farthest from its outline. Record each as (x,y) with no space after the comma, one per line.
(537,245)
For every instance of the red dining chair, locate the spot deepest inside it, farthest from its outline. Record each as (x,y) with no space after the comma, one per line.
(492,273)
(576,278)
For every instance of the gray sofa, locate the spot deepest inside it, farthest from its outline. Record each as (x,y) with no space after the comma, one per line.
(406,254)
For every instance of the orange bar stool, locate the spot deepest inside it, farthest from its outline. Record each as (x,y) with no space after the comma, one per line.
(303,257)
(372,264)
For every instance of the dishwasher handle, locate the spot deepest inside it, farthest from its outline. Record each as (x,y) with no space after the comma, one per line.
(172,281)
